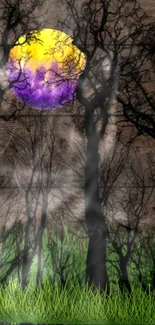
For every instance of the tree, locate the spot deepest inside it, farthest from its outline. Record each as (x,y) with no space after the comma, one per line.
(136,96)
(36,164)
(17,18)
(134,199)
(39,163)
(109,33)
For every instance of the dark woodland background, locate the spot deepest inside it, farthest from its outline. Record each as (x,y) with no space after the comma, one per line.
(90,163)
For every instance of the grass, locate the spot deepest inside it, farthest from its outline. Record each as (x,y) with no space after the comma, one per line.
(75,306)
(75,303)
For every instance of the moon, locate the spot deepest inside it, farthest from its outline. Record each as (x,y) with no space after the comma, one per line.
(44,68)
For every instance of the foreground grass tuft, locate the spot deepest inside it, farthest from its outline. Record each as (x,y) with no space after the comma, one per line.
(49,304)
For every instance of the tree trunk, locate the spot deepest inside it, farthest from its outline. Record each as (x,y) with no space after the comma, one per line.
(39,268)
(40,248)
(123,279)
(96,269)
(26,261)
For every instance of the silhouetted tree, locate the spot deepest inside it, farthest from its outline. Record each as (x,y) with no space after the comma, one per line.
(109,33)
(17,18)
